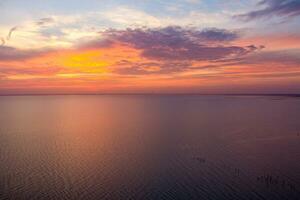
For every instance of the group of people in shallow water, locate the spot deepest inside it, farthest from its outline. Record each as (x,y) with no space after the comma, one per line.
(270,180)
(266,179)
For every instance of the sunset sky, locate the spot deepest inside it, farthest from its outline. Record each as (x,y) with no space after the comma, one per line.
(149,46)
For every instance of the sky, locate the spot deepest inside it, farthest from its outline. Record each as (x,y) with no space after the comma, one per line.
(149,46)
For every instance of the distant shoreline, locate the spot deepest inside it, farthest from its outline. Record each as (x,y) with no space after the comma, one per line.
(153,94)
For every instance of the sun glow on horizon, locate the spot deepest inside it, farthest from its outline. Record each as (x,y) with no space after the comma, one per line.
(179,46)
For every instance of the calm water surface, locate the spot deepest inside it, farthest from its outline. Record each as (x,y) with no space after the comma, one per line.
(149,147)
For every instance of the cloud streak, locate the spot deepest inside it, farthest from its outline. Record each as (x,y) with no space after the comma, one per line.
(284,8)
(45,21)
(2,41)
(151,68)
(13,29)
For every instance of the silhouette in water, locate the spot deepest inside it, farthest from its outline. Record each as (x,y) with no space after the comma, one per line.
(269,180)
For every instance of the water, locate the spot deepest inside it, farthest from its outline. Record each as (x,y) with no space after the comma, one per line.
(149,147)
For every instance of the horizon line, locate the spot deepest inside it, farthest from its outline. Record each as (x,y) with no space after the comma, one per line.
(196,94)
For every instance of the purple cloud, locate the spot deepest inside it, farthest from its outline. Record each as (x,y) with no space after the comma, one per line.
(147,68)
(195,52)
(173,49)
(218,35)
(12,54)
(45,21)
(28,70)
(171,36)
(288,8)
(177,43)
